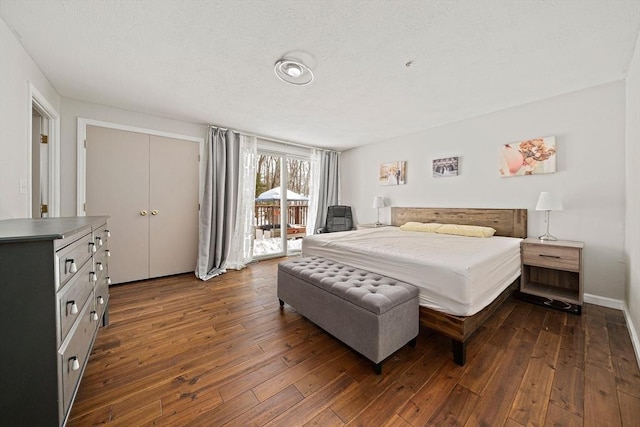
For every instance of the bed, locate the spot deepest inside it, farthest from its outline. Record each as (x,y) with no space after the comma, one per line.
(462,280)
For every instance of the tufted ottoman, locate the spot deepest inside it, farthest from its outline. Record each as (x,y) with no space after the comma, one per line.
(373,314)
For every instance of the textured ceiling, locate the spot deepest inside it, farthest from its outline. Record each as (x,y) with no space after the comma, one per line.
(212,61)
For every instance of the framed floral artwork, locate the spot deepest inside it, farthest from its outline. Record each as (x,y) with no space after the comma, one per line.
(529,157)
(447,166)
(392,173)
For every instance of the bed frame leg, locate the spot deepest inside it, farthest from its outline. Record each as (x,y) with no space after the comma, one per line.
(281,302)
(413,342)
(459,352)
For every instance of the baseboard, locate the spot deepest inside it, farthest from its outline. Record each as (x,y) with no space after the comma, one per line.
(618,305)
(633,333)
(604,301)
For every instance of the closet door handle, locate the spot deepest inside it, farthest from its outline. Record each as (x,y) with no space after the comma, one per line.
(143,213)
(154,212)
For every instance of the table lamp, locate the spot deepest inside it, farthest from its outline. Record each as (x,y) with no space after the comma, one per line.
(378,202)
(547,203)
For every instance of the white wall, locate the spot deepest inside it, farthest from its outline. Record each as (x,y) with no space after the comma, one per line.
(71,109)
(632,211)
(17,69)
(590,178)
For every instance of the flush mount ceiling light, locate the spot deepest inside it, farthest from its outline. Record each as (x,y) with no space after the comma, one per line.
(293,71)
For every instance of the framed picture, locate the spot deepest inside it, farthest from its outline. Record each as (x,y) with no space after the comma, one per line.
(529,157)
(445,167)
(392,173)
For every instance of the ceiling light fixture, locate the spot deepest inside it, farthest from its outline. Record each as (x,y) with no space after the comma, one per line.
(293,71)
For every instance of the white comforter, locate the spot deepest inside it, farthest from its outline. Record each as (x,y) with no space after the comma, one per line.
(456,275)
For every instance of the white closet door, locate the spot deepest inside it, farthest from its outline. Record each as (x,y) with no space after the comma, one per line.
(173,244)
(118,185)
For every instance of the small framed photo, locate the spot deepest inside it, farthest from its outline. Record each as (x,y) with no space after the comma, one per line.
(392,173)
(445,167)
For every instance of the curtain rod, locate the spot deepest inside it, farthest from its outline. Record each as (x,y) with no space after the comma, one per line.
(267,138)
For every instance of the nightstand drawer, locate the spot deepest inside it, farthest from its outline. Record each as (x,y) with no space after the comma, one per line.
(557,257)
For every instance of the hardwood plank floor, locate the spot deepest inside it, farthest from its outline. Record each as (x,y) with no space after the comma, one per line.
(181,352)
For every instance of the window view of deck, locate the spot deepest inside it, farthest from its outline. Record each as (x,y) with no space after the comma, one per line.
(270,236)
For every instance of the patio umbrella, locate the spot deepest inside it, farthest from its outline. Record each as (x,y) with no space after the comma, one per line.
(274,194)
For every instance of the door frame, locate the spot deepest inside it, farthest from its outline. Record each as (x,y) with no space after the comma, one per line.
(81,177)
(38,102)
(284,152)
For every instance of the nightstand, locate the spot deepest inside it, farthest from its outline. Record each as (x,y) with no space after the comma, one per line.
(361,226)
(552,273)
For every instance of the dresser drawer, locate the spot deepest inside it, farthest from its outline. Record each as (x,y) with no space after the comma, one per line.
(72,299)
(72,258)
(557,257)
(73,356)
(100,262)
(101,236)
(102,295)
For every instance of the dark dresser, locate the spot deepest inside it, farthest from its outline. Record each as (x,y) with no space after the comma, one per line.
(54,295)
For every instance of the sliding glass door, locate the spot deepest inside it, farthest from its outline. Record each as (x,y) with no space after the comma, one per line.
(281,205)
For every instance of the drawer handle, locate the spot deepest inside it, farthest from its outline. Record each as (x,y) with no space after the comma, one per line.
(74,307)
(100,300)
(93,277)
(73,267)
(107,252)
(108,233)
(99,265)
(92,248)
(108,280)
(74,363)
(549,256)
(99,241)
(94,315)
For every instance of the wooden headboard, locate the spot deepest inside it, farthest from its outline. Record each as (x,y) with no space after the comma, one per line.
(507,222)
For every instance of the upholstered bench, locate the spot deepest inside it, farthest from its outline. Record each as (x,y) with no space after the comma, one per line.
(372,314)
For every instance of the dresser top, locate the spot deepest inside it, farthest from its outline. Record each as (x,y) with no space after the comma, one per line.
(25,229)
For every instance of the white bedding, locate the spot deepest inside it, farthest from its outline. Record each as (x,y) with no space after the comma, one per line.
(456,275)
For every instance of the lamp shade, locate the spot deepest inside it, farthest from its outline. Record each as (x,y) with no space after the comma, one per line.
(548,202)
(378,202)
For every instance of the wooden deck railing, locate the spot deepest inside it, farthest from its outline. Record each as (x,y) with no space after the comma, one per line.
(268,215)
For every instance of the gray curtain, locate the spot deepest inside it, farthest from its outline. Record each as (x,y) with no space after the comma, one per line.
(220,200)
(328,186)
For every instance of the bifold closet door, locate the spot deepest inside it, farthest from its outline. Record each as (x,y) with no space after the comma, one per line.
(173,191)
(148,185)
(117,182)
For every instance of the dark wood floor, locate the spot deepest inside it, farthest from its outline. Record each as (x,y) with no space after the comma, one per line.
(180,351)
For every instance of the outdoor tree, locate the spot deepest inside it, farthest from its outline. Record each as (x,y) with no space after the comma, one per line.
(268,174)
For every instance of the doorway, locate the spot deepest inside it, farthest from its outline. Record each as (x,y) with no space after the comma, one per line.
(44,164)
(39,165)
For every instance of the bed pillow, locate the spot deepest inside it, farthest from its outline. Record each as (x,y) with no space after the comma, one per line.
(466,230)
(425,227)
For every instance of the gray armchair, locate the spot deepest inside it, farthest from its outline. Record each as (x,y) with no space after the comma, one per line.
(339,218)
